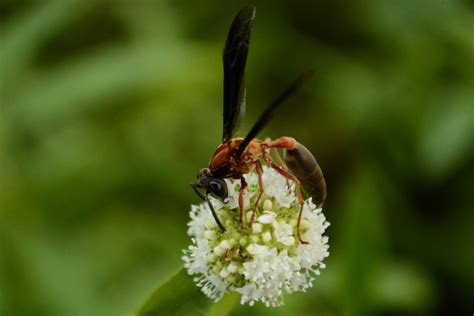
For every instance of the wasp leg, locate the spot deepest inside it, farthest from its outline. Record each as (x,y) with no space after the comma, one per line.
(258,167)
(284,142)
(288,175)
(278,157)
(243,186)
(206,198)
(276,154)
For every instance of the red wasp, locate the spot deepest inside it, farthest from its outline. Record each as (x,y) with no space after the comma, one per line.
(237,156)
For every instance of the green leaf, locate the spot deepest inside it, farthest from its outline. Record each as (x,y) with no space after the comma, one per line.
(177,296)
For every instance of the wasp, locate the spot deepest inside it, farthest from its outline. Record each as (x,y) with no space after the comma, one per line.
(237,156)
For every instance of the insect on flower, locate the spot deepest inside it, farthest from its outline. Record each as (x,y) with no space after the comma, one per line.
(237,156)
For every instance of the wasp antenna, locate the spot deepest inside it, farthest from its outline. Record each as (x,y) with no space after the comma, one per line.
(214,214)
(195,187)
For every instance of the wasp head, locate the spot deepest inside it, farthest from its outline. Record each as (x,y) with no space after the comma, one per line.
(215,186)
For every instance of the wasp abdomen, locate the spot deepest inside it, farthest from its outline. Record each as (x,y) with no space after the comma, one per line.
(304,166)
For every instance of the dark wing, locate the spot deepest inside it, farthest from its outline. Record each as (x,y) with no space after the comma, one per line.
(234,59)
(267,114)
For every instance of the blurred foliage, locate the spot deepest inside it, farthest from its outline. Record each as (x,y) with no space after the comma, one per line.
(178,296)
(109,108)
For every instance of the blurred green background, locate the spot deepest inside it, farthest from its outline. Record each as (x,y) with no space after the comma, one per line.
(109,108)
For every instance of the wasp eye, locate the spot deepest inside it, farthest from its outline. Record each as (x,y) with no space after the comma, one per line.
(218,187)
(215,186)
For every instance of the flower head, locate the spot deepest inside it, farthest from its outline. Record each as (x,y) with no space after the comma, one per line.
(265,260)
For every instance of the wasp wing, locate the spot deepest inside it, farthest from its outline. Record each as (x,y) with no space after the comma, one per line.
(234,59)
(270,110)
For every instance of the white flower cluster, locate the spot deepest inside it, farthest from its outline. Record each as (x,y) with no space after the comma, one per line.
(263,261)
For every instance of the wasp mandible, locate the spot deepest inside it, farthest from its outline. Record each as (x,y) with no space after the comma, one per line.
(236,156)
